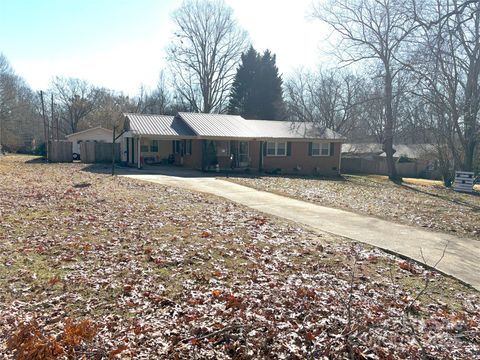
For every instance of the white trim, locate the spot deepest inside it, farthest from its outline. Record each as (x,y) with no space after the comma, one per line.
(276,148)
(320,149)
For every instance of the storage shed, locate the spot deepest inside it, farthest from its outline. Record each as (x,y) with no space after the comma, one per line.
(96,134)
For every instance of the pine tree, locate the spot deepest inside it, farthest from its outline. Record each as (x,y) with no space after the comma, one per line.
(257,88)
(270,95)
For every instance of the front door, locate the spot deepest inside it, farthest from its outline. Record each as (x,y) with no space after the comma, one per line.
(239,154)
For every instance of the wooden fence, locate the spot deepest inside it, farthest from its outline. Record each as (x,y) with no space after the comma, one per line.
(94,152)
(60,151)
(378,166)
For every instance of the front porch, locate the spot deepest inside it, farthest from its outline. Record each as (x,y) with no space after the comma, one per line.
(199,154)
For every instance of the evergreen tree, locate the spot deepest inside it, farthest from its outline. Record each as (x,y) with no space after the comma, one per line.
(257,88)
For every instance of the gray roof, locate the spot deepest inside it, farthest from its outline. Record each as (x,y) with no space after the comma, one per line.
(412,151)
(159,125)
(292,130)
(223,126)
(362,148)
(89,130)
(235,126)
(218,125)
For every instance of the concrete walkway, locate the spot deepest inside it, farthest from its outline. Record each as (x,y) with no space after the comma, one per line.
(462,256)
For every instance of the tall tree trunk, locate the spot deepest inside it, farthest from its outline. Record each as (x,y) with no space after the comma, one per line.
(470,114)
(388,135)
(469,153)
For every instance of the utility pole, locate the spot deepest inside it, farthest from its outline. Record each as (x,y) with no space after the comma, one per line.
(114,139)
(54,118)
(45,125)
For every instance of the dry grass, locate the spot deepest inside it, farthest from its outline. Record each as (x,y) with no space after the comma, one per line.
(414,202)
(163,272)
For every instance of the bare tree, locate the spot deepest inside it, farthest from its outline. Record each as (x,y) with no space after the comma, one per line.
(204,54)
(19,123)
(328,98)
(158,101)
(448,69)
(375,31)
(75,100)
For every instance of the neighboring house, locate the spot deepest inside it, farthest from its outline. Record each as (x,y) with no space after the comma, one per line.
(413,160)
(219,142)
(96,134)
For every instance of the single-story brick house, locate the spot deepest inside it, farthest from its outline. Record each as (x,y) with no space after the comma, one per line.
(219,142)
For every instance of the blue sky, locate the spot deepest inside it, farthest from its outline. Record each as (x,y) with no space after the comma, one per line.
(120,44)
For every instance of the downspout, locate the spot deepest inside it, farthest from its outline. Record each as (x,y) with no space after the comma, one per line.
(139,140)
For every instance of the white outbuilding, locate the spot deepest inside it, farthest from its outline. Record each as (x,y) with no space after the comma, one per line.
(96,134)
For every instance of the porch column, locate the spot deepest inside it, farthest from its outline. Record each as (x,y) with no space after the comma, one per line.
(260,160)
(139,140)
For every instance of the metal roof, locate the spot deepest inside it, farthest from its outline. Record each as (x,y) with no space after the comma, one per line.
(157,125)
(292,130)
(224,126)
(235,126)
(218,125)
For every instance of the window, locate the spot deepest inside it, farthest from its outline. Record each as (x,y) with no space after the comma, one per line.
(271,148)
(178,146)
(320,149)
(276,148)
(188,147)
(223,148)
(154,146)
(281,149)
(182,147)
(144,145)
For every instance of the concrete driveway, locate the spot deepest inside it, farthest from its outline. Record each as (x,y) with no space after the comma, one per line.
(462,255)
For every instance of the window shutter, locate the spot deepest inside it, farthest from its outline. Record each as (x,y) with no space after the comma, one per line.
(264,148)
(173,146)
(309,149)
(332,146)
(289,148)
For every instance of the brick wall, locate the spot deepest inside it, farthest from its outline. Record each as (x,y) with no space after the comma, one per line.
(299,162)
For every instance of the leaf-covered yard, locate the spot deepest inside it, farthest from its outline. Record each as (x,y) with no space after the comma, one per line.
(144,271)
(410,203)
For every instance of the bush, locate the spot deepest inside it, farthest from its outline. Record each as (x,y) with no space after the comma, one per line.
(25,150)
(40,150)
